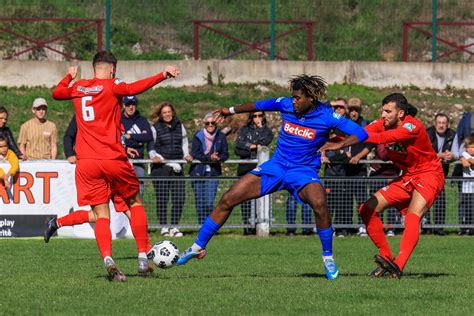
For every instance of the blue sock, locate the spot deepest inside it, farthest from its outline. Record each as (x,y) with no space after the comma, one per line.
(208,229)
(325,235)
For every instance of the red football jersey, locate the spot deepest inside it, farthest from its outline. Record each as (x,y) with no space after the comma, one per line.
(97,103)
(417,156)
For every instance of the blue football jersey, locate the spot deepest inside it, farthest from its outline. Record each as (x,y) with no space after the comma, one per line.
(302,135)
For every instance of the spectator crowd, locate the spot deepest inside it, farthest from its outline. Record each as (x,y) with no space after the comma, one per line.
(163,139)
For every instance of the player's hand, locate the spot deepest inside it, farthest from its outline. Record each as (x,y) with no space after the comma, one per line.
(324,159)
(156,159)
(188,158)
(171,72)
(72,160)
(330,146)
(73,71)
(253,146)
(221,114)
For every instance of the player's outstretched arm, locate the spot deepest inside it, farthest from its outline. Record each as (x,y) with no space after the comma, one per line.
(62,90)
(122,89)
(401,133)
(221,114)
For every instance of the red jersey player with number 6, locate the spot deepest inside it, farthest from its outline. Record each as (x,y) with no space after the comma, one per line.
(102,166)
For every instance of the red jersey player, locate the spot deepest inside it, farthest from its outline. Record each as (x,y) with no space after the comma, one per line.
(413,193)
(102,167)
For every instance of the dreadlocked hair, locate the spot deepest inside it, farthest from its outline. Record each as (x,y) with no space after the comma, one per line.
(312,86)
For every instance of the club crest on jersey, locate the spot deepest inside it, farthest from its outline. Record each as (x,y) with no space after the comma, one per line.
(90,90)
(300,131)
(409,126)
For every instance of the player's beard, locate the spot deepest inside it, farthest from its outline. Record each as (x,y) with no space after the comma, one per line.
(390,124)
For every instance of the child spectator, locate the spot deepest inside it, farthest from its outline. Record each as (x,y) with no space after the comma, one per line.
(467,193)
(7,133)
(8,155)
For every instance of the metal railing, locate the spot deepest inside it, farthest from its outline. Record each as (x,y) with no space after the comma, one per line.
(453,208)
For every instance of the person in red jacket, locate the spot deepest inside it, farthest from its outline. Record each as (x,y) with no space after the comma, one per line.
(102,168)
(412,193)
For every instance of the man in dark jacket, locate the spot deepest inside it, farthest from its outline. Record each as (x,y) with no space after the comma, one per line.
(7,133)
(137,133)
(69,140)
(442,138)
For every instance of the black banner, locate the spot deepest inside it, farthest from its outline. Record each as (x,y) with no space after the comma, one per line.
(22,225)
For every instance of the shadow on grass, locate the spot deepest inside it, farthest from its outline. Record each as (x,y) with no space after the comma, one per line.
(423,275)
(426,275)
(158,274)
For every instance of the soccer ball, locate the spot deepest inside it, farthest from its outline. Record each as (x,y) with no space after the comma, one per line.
(164,254)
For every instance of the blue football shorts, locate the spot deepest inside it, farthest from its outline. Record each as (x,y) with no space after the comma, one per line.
(277,175)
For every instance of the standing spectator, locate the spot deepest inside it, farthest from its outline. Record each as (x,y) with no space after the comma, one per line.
(336,190)
(357,189)
(137,133)
(170,142)
(6,178)
(254,134)
(464,129)
(339,106)
(467,193)
(306,218)
(7,133)
(69,141)
(209,147)
(385,172)
(38,136)
(442,138)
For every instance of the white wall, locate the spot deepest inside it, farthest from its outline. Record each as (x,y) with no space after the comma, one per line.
(374,74)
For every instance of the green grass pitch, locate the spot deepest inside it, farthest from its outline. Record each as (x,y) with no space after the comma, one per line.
(240,275)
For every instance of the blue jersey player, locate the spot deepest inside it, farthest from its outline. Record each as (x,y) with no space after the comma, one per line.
(306,123)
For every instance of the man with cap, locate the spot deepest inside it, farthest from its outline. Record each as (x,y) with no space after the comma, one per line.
(357,189)
(137,132)
(340,106)
(38,136)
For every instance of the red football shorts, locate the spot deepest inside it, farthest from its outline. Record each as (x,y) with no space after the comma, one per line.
(400,190)
(97,180)
(119,203)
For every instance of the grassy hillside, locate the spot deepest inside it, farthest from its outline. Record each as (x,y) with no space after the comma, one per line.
(144,29)
(193,102)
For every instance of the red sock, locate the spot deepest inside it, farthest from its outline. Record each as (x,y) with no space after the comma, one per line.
(375,230)
(139,226)
(103,236)
(410,237)
(75,218)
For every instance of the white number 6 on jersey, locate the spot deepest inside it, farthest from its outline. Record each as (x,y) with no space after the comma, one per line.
(87,111)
